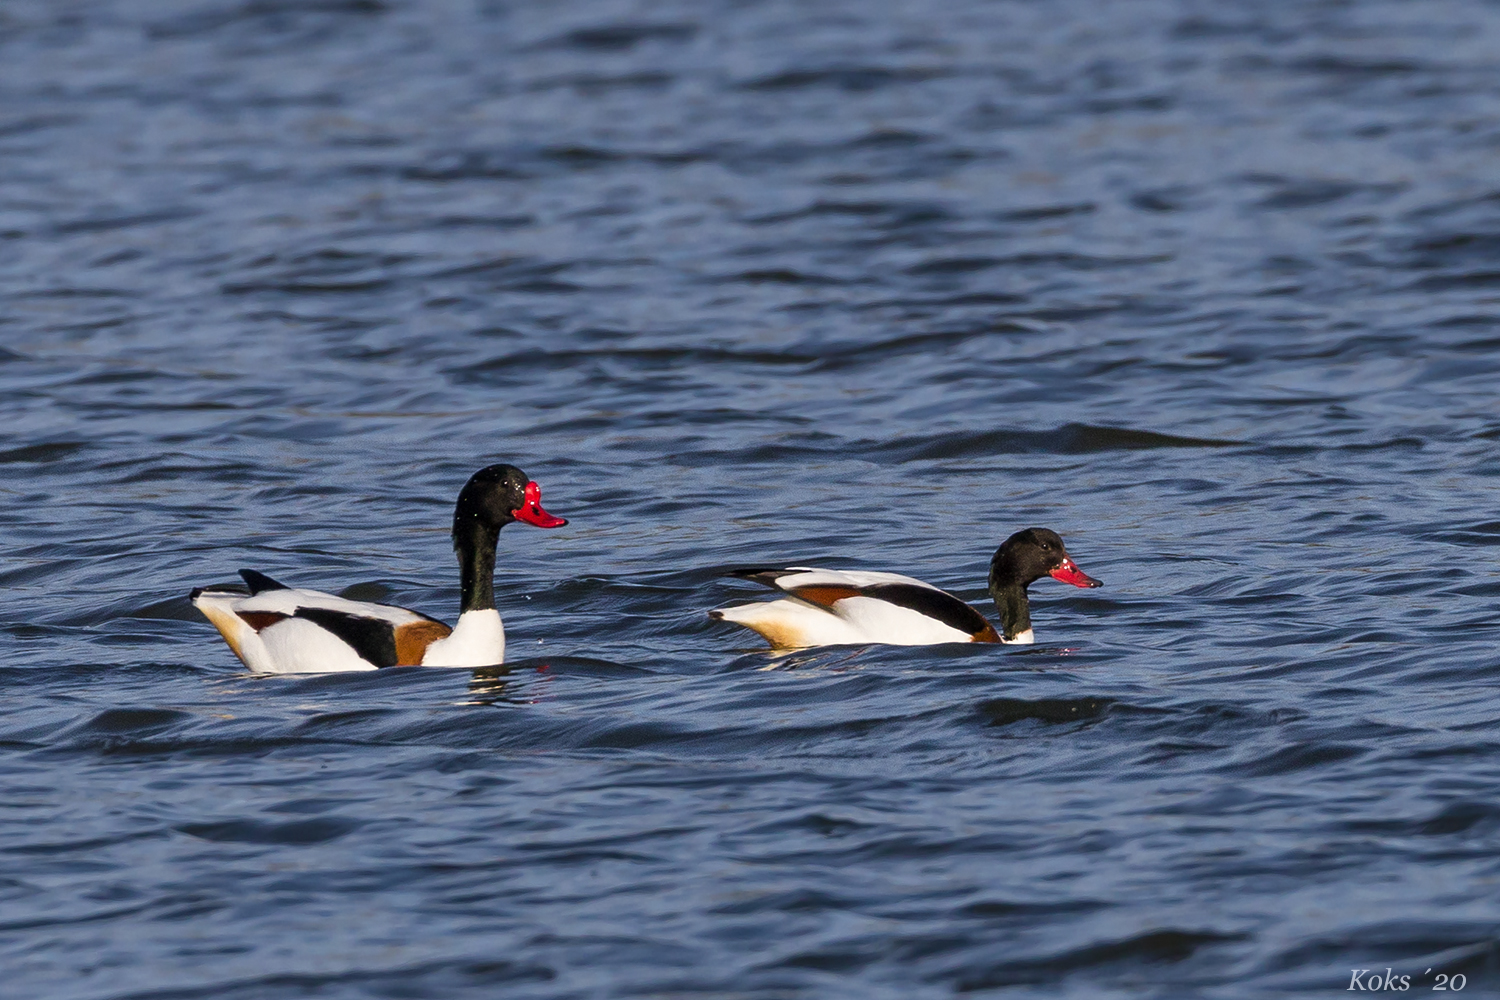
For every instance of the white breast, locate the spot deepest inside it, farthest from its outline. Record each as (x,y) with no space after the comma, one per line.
(478,640)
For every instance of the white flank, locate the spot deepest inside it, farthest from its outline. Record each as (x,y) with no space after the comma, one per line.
(881,621)
(478,640)
(1025,638)
(790,623)
(296,645)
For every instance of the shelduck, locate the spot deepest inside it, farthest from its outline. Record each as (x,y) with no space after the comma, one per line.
(278,629)
(828,607)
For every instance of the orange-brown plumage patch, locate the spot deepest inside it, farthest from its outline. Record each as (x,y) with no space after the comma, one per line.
(413,639)
(779,634)
(229,626)
(824,595)
(986,634)
(261,619)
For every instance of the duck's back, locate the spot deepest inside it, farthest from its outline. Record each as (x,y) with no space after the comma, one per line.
(291,630)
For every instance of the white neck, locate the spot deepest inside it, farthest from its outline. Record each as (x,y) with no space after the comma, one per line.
(478,640)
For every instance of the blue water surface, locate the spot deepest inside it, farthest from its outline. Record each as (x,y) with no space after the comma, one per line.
(1211,288)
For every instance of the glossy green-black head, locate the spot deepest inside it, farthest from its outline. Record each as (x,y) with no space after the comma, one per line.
(497,495)
(1031,554)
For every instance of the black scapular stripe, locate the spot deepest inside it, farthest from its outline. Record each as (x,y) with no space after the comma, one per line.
(259,582)
(373,639)
(933,603)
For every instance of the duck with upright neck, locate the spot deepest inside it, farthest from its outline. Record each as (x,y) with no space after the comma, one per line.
(278,629)
(828,607)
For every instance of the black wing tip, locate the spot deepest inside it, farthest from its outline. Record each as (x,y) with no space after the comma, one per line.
(767,574)
(716,615)
(231,589)
(258,582)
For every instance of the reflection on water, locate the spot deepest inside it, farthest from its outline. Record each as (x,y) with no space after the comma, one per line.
(488,685)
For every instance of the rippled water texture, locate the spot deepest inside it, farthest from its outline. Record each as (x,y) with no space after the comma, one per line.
(1211,288)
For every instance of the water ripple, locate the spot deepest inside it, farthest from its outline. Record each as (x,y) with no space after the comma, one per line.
(1208,291)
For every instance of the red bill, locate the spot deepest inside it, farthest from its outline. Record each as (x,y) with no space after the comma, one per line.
(532,513)
(1069,572)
